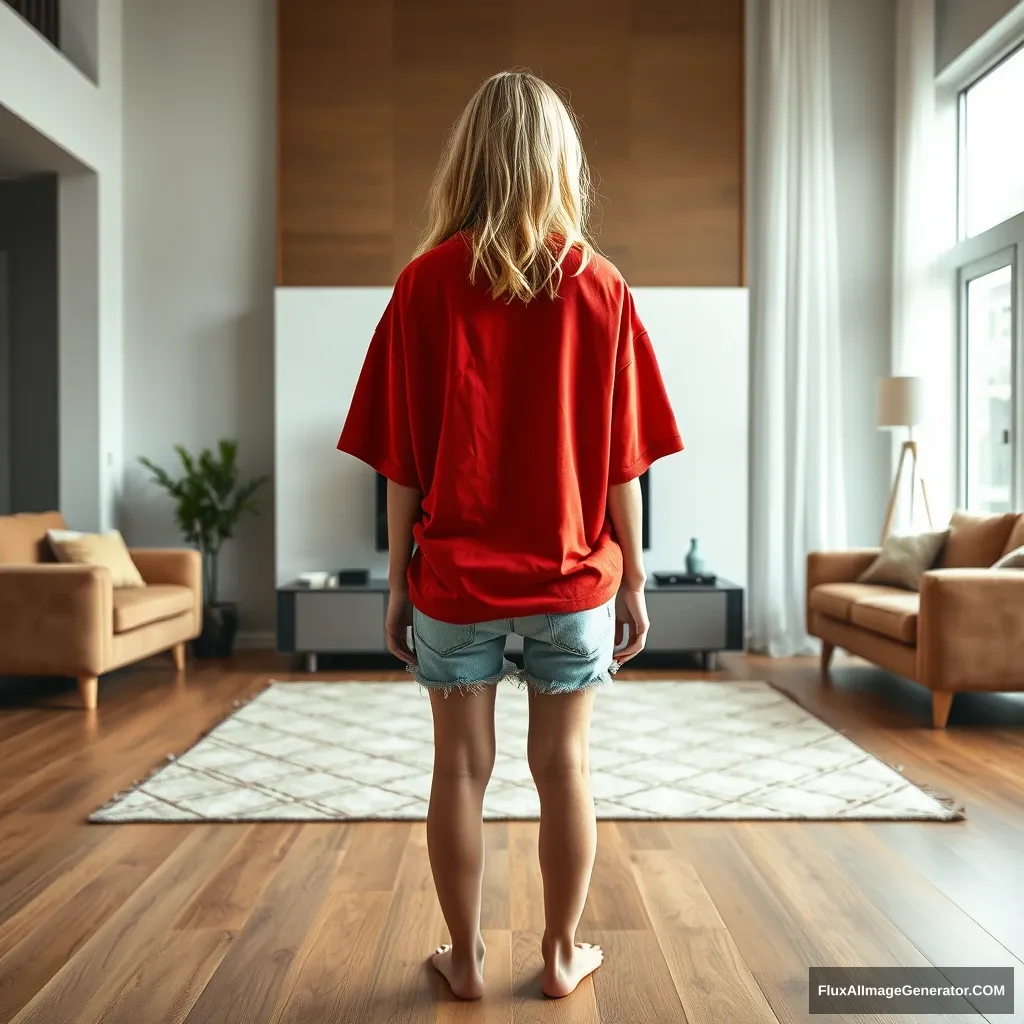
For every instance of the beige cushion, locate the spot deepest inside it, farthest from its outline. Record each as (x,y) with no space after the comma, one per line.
(1011,560)
(105,550)
(836,599)
(891,614)
(140,606)
(904,559)
(975,542)
(23,537)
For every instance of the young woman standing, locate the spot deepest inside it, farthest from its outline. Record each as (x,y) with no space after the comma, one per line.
(512,399)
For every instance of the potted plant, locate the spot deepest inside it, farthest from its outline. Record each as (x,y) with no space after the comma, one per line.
(209,502)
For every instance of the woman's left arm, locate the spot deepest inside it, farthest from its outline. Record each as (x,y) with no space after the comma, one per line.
(404,507)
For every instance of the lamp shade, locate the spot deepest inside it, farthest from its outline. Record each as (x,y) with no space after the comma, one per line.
(900,401)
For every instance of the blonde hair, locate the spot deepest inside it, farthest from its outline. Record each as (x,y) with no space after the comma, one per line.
(513,171)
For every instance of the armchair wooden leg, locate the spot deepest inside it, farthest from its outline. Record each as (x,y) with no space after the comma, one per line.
(178,653)
(827,650)
(942,701)
(89,688)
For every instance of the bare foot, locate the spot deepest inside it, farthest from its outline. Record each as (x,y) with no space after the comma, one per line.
(464,976)
(562,973)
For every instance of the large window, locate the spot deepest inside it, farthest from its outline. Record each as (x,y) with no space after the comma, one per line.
(992,147)
(986,381)
(989,262)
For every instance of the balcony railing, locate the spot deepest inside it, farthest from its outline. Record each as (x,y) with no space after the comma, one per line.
(43,15)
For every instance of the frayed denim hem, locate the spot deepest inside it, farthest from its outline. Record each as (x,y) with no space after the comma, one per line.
(552,688)
(508,672)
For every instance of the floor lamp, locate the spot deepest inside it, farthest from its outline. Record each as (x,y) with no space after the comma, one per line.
(901,406)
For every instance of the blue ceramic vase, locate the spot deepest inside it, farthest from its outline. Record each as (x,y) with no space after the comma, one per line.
(695,565)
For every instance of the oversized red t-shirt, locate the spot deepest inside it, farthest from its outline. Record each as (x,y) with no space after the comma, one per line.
(512,419)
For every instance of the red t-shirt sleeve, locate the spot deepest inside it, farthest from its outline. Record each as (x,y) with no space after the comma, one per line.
(377,429)
(643,425)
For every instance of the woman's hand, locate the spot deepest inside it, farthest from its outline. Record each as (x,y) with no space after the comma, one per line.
(631,614)
(397,626)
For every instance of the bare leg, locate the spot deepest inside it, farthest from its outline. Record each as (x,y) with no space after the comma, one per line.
(559,754)
(463,759)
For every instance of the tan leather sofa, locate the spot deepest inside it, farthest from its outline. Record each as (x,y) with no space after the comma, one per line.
(963,631)
(67,620)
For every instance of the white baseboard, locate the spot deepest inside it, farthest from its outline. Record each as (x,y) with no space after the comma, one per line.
(256,640)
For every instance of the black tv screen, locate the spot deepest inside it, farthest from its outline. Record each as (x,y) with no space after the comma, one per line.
(381,512)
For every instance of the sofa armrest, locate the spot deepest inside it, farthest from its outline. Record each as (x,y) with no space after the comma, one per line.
(182,567)
(55,618)
(971,629)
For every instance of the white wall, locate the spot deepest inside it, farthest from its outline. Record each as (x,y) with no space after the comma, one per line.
(325,499)
(863,81)
(199,269)
(42,88)
(960,23)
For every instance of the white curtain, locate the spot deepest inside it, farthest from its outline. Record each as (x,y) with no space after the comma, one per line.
(797,494)
(924,225)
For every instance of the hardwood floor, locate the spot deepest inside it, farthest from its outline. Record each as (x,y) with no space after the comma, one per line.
(311,923)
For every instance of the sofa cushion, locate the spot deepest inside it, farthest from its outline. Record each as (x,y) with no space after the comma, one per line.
(893,615)
(23,537)
(904,559)
(1016,537)
(975,542)
(134,607)
(105,550)
(836,599)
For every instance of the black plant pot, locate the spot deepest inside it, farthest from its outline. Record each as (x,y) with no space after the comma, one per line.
(217,640)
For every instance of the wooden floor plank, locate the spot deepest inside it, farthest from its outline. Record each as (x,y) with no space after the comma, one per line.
(401,985)
(494,912)
(943,931)
(614,901)
(50,930)
(166,985)
(373,856)
(710,975)
(89,983)
(638,986)
(341,945)
(247,984)
(525,890)
(227,900)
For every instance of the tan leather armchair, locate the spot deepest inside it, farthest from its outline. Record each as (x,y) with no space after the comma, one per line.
(963,631)
(68,620)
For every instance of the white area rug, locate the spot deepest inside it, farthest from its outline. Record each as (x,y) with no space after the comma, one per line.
(659,750)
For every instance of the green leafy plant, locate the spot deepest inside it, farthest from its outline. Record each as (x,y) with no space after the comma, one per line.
(209,502)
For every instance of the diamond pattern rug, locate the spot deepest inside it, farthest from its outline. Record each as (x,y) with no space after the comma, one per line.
(659,750)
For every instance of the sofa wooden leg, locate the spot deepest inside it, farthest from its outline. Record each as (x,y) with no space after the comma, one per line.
(178,653)
(89,688)
(827,650)
(942,701)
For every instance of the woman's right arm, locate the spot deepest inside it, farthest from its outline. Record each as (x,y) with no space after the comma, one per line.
(625,509)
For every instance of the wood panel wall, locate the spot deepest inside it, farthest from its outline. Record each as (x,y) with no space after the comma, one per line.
(368,90)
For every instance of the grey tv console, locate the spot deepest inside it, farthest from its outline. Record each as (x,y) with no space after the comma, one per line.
(350,621)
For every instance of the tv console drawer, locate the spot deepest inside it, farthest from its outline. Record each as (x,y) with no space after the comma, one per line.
(340,621)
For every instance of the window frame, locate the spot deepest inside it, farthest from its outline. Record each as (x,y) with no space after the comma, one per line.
(968,272)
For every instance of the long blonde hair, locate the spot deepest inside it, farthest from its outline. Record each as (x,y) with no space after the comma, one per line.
(513,172)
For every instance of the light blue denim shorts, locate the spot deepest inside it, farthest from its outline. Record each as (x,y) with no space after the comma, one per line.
(561,653)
